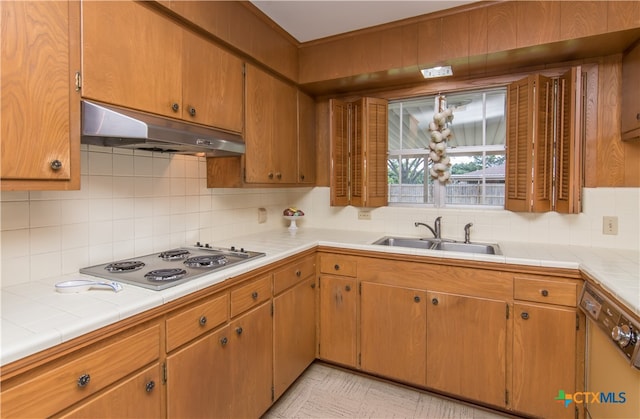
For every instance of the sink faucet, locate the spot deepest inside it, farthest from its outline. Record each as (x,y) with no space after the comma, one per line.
(467,233)
(436,230)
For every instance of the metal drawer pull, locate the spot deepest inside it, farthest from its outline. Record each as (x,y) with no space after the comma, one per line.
(434,301)
(544,293)
(336,267)
(254,295)
(83,380)
(150,385)
(239,330)
(347,288)
(224,341)
(298,273)
(175,107)
(203,320)
(524,315)
(192,111)
(416,298)
(56,165)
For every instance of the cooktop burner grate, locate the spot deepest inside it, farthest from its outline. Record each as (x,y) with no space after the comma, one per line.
(127,266)
(207,261)
(171,274)
(175,254)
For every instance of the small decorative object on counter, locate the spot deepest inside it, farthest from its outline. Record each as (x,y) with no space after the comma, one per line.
(292,214)
(440,134)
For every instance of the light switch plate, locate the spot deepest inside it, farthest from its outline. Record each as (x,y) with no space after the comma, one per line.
(364,215)
(610,225)
(262,215)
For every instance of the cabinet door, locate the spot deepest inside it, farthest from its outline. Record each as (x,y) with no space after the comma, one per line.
(136,397)
(466,347)
(131,56)
(198,378)
(271,129)
(251,374)
(393,321)
(338,336)
(294,333)
(213,84)
(544,353)
(630,118)
(39,120)
(306,139)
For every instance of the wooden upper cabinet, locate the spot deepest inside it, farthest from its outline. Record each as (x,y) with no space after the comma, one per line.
(213,83)
(271,129)
(40,116)
(622,15)
(135,57)
(630,118)
(543,144)
(132,57)
(359,147)
(306,139)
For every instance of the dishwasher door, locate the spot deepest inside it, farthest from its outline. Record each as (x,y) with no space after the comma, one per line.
(609,373)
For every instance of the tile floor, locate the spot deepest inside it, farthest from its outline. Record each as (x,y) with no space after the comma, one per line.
(324,391)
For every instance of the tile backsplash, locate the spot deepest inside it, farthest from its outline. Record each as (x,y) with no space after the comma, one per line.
(135,202)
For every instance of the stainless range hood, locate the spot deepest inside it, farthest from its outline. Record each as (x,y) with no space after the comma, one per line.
(112,126)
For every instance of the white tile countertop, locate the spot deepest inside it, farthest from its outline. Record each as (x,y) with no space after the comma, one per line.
(36,317)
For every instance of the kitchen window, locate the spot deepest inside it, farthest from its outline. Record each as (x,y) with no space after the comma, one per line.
(477,150)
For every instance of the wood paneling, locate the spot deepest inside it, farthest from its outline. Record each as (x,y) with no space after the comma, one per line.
(622,15)
(582,18)
(501,27)
(538,22)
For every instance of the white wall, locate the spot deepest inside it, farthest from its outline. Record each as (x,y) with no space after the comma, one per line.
(138,203)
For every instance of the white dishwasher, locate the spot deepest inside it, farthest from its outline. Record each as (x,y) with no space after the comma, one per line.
(612,384)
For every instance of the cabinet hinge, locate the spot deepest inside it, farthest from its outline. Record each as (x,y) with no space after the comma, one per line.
(78,81)
(273,393)
(507,311)
(506,397)
(272,308)
(577,322)
(164,373)
(360,288)
(360,359)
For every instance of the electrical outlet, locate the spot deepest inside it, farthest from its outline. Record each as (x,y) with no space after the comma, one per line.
(364,215)
(262,215)
(610,225)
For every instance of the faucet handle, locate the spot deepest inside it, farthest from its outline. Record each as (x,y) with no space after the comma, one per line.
(467,233)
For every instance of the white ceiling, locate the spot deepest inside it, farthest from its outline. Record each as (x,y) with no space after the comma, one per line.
(307,20)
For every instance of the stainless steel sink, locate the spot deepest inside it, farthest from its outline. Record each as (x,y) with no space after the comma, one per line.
(436,244)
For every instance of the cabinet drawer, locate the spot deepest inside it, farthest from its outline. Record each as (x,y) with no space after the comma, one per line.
(292,273)
(53,388)
(250,295)
(545,291)
(338,265)
(189,323)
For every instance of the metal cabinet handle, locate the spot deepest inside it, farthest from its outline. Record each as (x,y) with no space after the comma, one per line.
(56,164)
(416,298)
(301,177)
(192,111)
(336,267)
(279,175)
(524,315)
(270,175)
(203,320)
(544,293)
(254,295)
(239,330)
(298,273)
(224,341)
(149,386)
(83,380)
(434,301)
(175,107)
(313,285)
(347,288)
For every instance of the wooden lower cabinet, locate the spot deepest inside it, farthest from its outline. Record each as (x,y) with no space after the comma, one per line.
(338,321)
(136,397)
(294,333)
(393,336)
(544,354)
(467,347)
(198,378)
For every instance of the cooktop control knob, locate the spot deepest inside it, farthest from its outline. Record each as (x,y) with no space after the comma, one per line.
(233,248)
(622,334)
